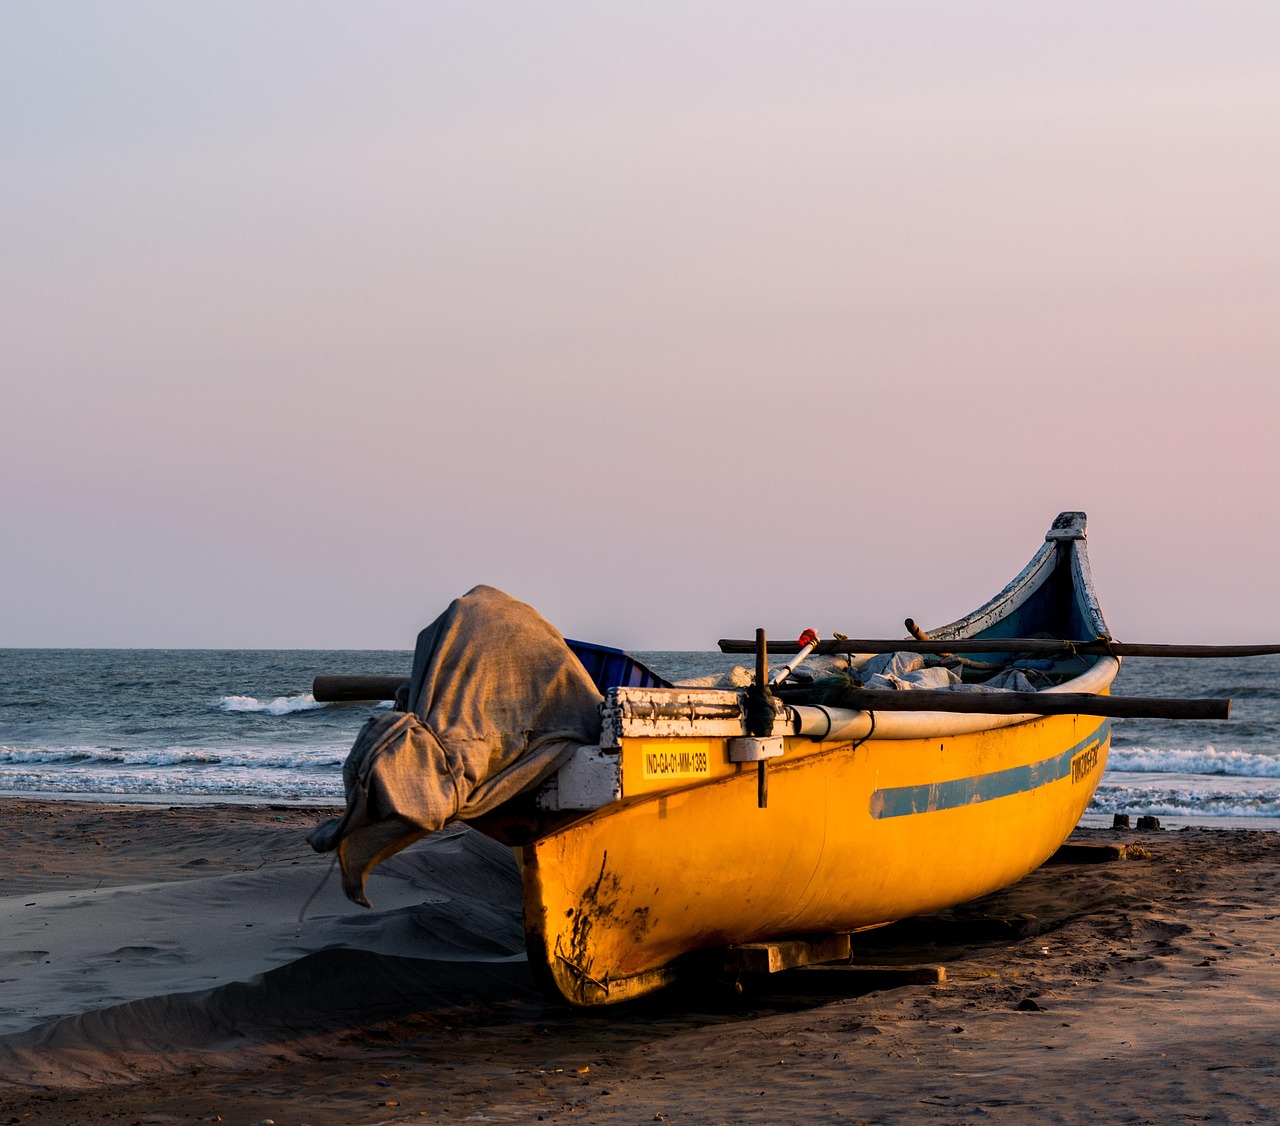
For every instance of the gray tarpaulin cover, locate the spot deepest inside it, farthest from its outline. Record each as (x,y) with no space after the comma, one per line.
(497,702)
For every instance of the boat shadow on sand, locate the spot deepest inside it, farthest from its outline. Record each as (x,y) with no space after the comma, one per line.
(344,998)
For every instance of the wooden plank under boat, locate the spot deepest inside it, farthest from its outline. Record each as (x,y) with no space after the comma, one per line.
(870,817)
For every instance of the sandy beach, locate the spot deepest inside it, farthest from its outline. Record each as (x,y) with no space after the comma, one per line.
(154,969)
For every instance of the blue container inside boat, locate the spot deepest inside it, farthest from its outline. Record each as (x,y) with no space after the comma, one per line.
(612,668)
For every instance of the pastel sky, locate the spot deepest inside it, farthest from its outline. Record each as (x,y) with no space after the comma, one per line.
(671,319)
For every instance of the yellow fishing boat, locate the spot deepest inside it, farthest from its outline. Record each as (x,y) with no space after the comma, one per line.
(681,819)
(871,816)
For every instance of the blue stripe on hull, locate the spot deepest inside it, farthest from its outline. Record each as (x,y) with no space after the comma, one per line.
(902,801)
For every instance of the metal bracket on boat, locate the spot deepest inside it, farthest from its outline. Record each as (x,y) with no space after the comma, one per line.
(751,748)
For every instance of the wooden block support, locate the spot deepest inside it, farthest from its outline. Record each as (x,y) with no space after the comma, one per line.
(945,930)
(1090,854)
(785,954)
(866,979)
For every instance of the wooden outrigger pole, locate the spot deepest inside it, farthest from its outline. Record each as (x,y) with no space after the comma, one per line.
(1040,646)
(337,688)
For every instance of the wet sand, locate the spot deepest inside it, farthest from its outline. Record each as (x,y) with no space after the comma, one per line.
(153,969)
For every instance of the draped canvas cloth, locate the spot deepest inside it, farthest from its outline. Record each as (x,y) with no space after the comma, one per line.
(497,703)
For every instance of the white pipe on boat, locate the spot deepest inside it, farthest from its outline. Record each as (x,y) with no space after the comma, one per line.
(825,725)
(828,725)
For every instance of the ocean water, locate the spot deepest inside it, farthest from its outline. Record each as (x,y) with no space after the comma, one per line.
(178,724)
(192,725)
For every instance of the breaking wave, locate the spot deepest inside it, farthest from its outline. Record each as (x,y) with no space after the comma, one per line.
(296,787)
(281,705)
(1208,760)
(309,758)
(1185,800)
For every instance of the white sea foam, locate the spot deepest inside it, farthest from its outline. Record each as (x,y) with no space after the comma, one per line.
(106,757)
(295,787)
(281,705)
(251,758)
(1175,801)
(1208,760)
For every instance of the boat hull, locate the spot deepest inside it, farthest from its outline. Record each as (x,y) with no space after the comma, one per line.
(855,834)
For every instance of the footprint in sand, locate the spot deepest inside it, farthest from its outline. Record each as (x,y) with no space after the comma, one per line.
(144,955)
(22,957)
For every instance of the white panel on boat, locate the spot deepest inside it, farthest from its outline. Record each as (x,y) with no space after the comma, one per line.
(590,779)
(659,713)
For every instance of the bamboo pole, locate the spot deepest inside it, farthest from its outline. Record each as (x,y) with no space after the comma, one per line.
(1037,703)
(762,684)
(347,689)
(1043,646)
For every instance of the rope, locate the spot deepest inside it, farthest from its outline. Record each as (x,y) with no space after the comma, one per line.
(302,915)
(870,731)
(760,711)
(848,656)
